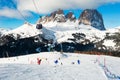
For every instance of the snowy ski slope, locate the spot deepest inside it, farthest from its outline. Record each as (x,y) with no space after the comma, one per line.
(91,67)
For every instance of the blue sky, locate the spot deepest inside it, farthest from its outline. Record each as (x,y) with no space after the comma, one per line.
(11,18)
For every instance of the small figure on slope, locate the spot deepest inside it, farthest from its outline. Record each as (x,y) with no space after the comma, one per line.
(56,61)
(39,61)
(78,61)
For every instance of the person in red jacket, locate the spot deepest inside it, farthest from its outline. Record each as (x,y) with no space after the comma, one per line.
(39,61)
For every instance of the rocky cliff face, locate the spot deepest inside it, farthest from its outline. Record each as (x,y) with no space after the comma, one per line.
(54,16)
(57,16)
(92,17)
(70,16)
(88,17)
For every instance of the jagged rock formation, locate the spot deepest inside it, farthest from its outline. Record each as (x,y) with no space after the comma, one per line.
(88,17)
(54,16)
(92,17)
(70,16)
(57,16)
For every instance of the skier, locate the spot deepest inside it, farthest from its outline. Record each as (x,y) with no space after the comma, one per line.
(78,61)
(56,61)
(39,61)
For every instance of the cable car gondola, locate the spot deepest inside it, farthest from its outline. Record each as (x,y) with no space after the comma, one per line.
(39,26)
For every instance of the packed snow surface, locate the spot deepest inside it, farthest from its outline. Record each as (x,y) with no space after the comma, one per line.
(67,68)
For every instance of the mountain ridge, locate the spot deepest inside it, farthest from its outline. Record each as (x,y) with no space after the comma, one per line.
(88,17)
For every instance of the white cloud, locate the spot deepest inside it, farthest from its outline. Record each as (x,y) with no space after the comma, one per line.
(46,6)
(13,13)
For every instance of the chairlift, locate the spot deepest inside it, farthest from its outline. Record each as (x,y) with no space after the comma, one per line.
(39,26)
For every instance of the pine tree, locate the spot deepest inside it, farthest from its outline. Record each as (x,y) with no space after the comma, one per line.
(116,38)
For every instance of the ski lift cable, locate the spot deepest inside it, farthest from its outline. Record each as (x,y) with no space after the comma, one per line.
(18,10)
(35,7)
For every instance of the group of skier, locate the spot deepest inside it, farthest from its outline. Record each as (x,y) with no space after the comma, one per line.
(56,61)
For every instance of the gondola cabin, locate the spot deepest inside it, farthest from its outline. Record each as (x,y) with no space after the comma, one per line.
(39,26)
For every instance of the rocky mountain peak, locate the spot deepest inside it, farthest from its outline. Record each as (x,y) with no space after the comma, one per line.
(88,17)
(92,17)
(59,11)
(54,16)
(71,16)
(59,16)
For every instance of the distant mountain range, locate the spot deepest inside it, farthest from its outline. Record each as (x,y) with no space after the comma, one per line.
(61,32)
(88,17)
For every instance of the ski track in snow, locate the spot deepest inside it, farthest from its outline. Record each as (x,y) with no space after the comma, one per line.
(107,72)
(21,68)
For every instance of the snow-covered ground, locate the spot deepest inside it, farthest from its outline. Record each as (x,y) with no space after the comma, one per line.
(64,31)
(91,67)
